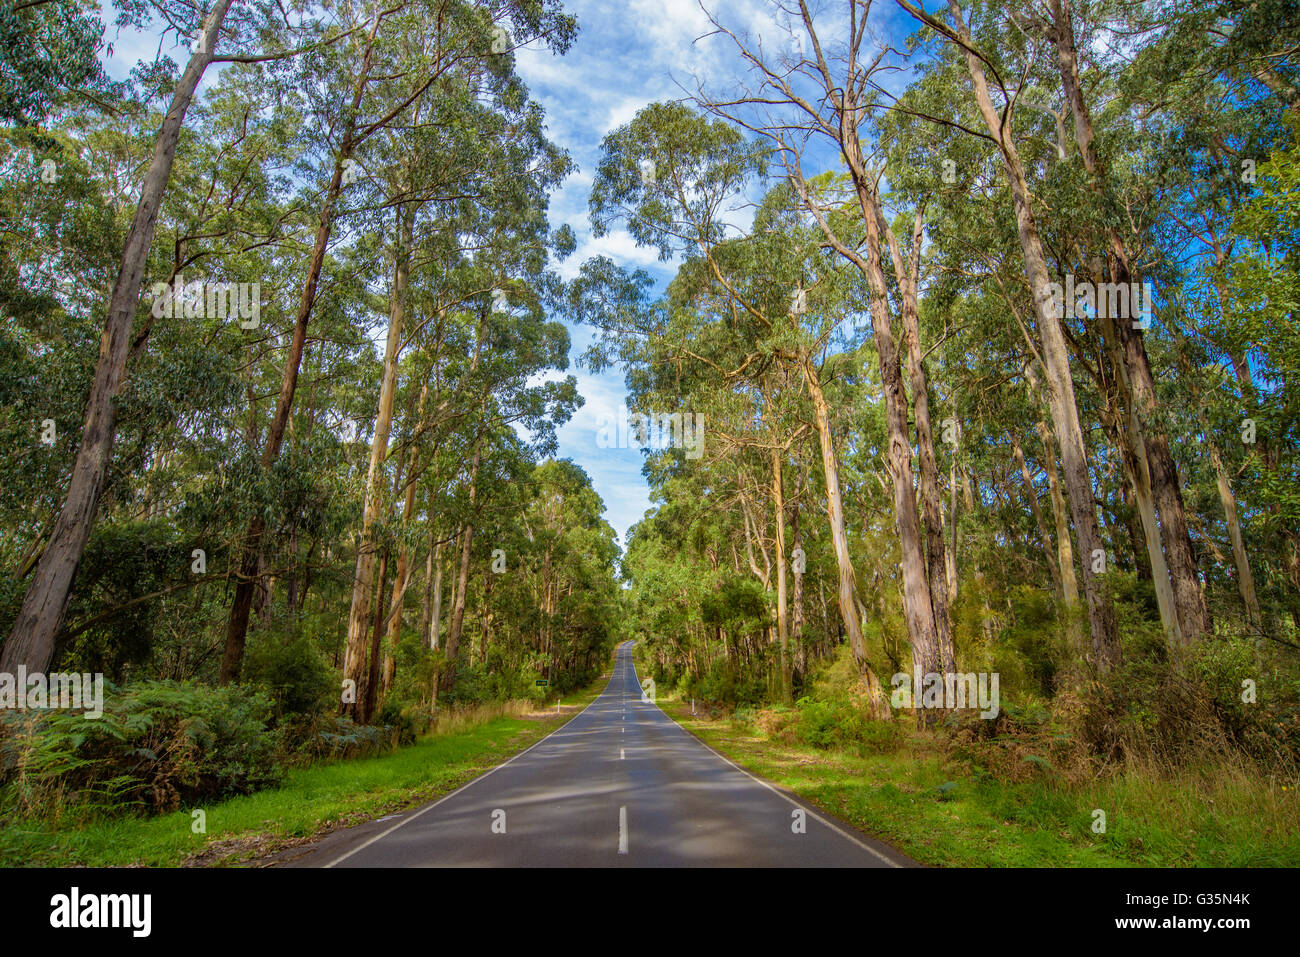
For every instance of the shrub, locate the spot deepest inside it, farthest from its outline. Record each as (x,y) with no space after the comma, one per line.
(839,723)
(159,744)
(404,722)
(331,737)
(816,722)
(879,737)
(1177,709)
(294,674)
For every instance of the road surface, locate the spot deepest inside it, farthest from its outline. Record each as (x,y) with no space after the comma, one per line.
(620,785)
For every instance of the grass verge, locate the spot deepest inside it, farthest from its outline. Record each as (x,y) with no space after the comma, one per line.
(934,807)
(311,800)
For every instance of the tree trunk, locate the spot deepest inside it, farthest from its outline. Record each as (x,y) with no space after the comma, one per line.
(1060,386)
(1192,610)
(363,581)
(237,626)
(908,281)
(1129,437)
(1031,495)
(31,641)
(462,582)
(918,604)
(399,587)
(782,624)
(1245,580)
(435,622)
(835,513)
(485,636)
(370,677)
(950,557)
(796,618)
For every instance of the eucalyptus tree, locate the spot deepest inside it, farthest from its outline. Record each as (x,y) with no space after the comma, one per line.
(1262,303)
(48,50)
(1059,383)
(796,101)
(31,641)
(1211,111)
(764,286)
(359,89)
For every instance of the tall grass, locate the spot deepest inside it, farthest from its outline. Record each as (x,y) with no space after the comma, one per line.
(459,719)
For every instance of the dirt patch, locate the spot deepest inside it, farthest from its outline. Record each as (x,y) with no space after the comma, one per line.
(550,713)
(253,850)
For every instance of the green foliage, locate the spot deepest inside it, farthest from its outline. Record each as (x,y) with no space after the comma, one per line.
(293,672)
(1178,708)
(159,745)
(336,737)
(123,561)
(837,724)
(45,49)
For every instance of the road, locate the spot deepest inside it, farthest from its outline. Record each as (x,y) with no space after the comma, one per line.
(620,785)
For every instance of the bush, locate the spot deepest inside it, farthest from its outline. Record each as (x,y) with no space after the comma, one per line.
(294,673)
(838,723)
(817,724)
(880,737)
(1177,709)
(332,737)
(404,722)
(159,745)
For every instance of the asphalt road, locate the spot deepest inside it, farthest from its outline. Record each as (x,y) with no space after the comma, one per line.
(620,785)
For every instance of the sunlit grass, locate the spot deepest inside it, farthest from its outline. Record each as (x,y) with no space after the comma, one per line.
(940,812)
(459,747)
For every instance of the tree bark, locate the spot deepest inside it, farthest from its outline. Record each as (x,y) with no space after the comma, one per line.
(435,622)
(1128,435)
(796,617)
(448,677)
(782,624)
(1245,580)
(918,604)
(1031,496)
(835,513)
(370,677)
(908,281)
(1192,610)
(45,603)
(363,581)
(1060,386)
(237,626)
(400,584)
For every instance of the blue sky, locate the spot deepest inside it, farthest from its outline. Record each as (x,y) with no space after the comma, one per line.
(627,54)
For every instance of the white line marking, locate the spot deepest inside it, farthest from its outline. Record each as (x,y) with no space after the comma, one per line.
(622,830)
(777,791)
(463,787)
(622,754)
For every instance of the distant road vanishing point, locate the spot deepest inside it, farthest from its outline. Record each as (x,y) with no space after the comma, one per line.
(620,785)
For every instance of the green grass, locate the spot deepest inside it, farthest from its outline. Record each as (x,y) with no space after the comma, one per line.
(939,811)
(310,801)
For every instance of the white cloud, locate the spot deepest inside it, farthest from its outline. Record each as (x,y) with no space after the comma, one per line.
(618,246)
